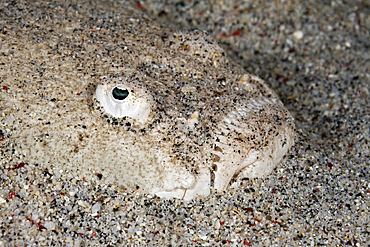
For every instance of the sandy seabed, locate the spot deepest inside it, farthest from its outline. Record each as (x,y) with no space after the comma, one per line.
(316,56)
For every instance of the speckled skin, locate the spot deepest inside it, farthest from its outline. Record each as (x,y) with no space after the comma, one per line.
(209,119)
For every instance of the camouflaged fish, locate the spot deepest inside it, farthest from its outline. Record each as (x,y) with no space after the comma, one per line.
(114,93)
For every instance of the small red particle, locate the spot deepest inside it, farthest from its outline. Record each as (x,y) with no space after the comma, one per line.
(11,195)
(273,192)
(261,35)
(285,79)
(273,221)
(330,165)
(222,223)
(93,234)
(281,178)
(40,226)
(247,243)
(252,225)
(96,174)
(285,230)
(80,233)
(200,12)
(84,179)
(78,93)
(255,219)
(139,6)
(228,240)
(5,87)
(13,215)
(236,33)
(1,139)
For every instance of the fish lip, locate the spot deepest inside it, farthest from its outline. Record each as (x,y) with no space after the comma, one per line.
(176,193)
(200,188)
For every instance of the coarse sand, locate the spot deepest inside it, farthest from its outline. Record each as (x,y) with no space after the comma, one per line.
(316,56)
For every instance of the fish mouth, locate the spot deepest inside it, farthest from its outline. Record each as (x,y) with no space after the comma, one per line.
(248,142)
(200,188)
(255,164)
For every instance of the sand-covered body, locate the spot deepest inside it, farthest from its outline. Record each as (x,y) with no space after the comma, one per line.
(206,120)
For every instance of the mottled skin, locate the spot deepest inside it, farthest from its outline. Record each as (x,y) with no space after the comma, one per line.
(209,120)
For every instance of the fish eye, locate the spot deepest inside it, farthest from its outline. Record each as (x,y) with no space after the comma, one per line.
(120,93)
(125,100)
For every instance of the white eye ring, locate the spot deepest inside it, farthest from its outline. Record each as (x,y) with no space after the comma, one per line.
(119,100)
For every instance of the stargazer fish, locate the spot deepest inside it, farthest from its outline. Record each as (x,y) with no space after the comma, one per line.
(116,94)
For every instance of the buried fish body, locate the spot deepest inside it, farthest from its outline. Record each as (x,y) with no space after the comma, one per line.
(117,94)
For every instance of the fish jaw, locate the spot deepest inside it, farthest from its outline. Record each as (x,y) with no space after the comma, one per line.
(200,188)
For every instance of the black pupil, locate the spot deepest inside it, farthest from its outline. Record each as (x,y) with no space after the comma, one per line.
(120,94)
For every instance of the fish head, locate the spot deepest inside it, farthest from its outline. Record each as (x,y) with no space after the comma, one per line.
(208,123)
